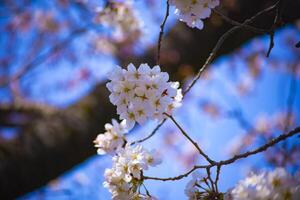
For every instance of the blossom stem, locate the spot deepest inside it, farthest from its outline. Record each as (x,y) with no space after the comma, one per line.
(191,140)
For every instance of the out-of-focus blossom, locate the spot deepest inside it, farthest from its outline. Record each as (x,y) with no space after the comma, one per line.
(104,45)
(211,109)
(46,21)
(277,185)
(123,19)
(192,12)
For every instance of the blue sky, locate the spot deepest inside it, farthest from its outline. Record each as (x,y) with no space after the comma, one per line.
(267,97)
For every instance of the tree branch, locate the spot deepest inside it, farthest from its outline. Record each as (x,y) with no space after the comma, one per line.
(162,32)
(260,149)
(214,53)
(191,140)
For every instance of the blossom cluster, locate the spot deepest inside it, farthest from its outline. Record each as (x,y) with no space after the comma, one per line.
(123,180)
(110,141)
(275,185)
(122,18)
(192,12)
(143,93)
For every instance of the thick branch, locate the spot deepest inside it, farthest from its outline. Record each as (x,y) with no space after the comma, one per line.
(52,143)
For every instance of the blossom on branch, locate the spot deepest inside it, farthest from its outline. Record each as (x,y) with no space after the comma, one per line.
(112,139)
(124,179)
(192,12)
(143,93)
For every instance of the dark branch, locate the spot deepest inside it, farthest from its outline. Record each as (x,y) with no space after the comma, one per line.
(161,33)
(234,158)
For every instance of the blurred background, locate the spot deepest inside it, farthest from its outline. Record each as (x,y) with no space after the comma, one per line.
(54,57)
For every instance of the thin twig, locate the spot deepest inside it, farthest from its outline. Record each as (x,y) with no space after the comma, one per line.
(161,33)
(279,5)
(260,149)
(176,177)
(151,134)
(217,177)
(191,140)
(209,178)
(203,188)
(272,44)
(219,44)
(236,23)
(214,52)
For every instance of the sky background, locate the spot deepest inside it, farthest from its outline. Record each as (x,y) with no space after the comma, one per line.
(216,136)
(265,96)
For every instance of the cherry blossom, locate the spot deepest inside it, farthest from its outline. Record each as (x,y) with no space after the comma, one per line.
(123,179)
(112,139)
(143,93)
(192,12)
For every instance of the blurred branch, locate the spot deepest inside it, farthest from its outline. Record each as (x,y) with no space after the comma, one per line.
(291,97)
(244,26)
(28,107)
(15,85)
(42,58)
(239,116)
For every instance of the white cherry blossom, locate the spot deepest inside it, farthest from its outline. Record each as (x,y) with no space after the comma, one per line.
(112,139)
(143,93)
(123,179)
